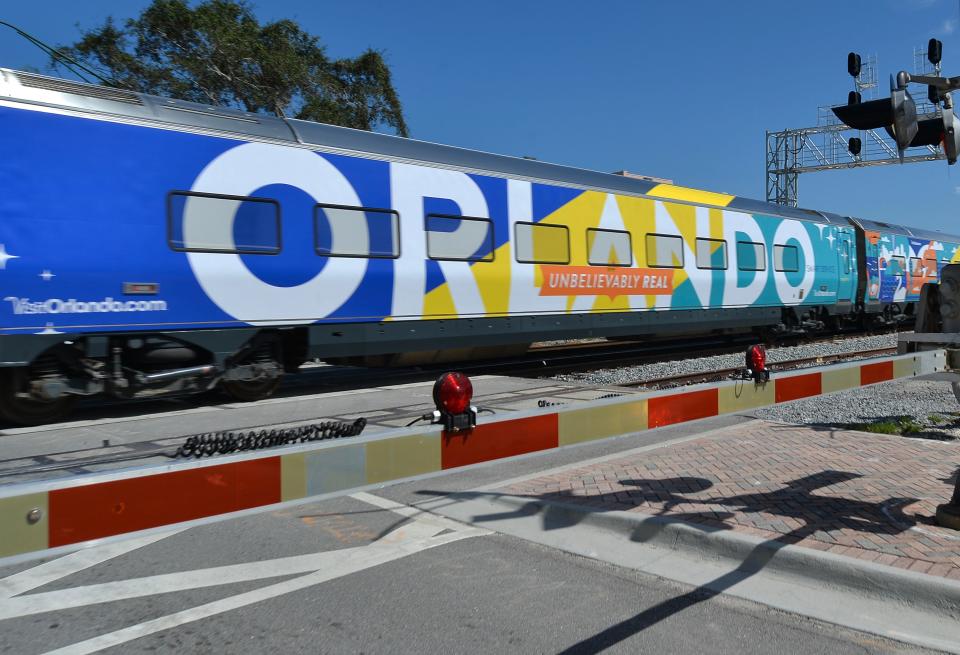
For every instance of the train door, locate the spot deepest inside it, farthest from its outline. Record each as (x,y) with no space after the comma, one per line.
(845,268)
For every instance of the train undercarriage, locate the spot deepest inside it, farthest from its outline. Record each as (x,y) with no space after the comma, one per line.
(139,366)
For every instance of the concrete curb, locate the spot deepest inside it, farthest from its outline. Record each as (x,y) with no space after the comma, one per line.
(750,554)
(906,606)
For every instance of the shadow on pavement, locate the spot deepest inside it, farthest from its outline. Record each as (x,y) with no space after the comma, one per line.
(795,500)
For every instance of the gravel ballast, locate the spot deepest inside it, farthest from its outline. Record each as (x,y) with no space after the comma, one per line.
(930,405)
(923,408)
(651,371)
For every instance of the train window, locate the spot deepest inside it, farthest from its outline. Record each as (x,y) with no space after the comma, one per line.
(459,238)
(208,222)
(751,256)
(664,251)
(711,254)
(845,255)
(916,267)
(541,243)
(345,231)
(897,266)
(786,259)
(609,248)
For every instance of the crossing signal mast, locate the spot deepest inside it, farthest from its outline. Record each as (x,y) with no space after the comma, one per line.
(879,130)
(898,113)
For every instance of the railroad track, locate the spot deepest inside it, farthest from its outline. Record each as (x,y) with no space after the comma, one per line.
(545,360)
(540,361)
(718,375)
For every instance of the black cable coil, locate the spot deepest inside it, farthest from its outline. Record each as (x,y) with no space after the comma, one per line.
(222,443)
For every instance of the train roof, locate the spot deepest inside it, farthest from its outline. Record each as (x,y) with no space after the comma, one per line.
(926,235)
(122,104)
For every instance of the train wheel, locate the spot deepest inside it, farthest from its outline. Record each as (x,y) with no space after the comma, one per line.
(29,411)
(250,390)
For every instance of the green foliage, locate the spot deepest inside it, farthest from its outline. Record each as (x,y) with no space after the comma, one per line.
(897,425)
(219,53)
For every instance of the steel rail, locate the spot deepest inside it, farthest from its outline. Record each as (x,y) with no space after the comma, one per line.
(717,375)
(580,359)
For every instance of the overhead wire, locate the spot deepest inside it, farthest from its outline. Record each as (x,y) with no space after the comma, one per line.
(65,60)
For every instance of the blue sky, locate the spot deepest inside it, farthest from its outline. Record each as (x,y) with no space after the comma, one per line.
(683,90)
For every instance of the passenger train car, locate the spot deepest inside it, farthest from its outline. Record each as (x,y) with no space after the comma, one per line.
(151,246)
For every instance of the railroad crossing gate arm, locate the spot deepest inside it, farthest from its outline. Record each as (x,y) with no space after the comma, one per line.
(45,518)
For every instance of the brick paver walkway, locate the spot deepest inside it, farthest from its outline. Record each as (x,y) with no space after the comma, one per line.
(851,493)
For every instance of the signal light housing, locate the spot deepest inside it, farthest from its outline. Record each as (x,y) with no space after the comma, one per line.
(934,51)
(854,145)
(866,115)
(896,114)
(757,364)
(452,393)
(853,64)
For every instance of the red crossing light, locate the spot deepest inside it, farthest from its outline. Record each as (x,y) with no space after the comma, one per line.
(757,358)
(452,393)
(757,363)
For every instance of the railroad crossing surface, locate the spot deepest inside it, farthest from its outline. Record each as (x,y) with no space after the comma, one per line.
(724,534)
(108,438)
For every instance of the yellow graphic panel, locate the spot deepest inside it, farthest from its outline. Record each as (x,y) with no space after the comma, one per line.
(493,281)
(669,191)
(716,224)
(685,218)
(638,217)
(439,302)
(581,213)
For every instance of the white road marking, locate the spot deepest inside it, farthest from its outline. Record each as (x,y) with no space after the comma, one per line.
(199,578)
(411,512)
(365,557)
(169,582)
(412,537)
(73,563)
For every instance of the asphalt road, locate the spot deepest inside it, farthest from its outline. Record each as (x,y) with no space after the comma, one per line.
(355,575)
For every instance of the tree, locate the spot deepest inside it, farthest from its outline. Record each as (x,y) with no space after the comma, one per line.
(219,53)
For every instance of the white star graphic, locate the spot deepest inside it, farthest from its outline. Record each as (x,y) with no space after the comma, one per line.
(46,275)
(5,257)
(831,238)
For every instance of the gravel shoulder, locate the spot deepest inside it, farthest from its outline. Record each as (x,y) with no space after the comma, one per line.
(914,407)
(920,408)
(650,371)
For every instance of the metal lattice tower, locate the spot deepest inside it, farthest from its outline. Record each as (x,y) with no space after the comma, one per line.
(824,147)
